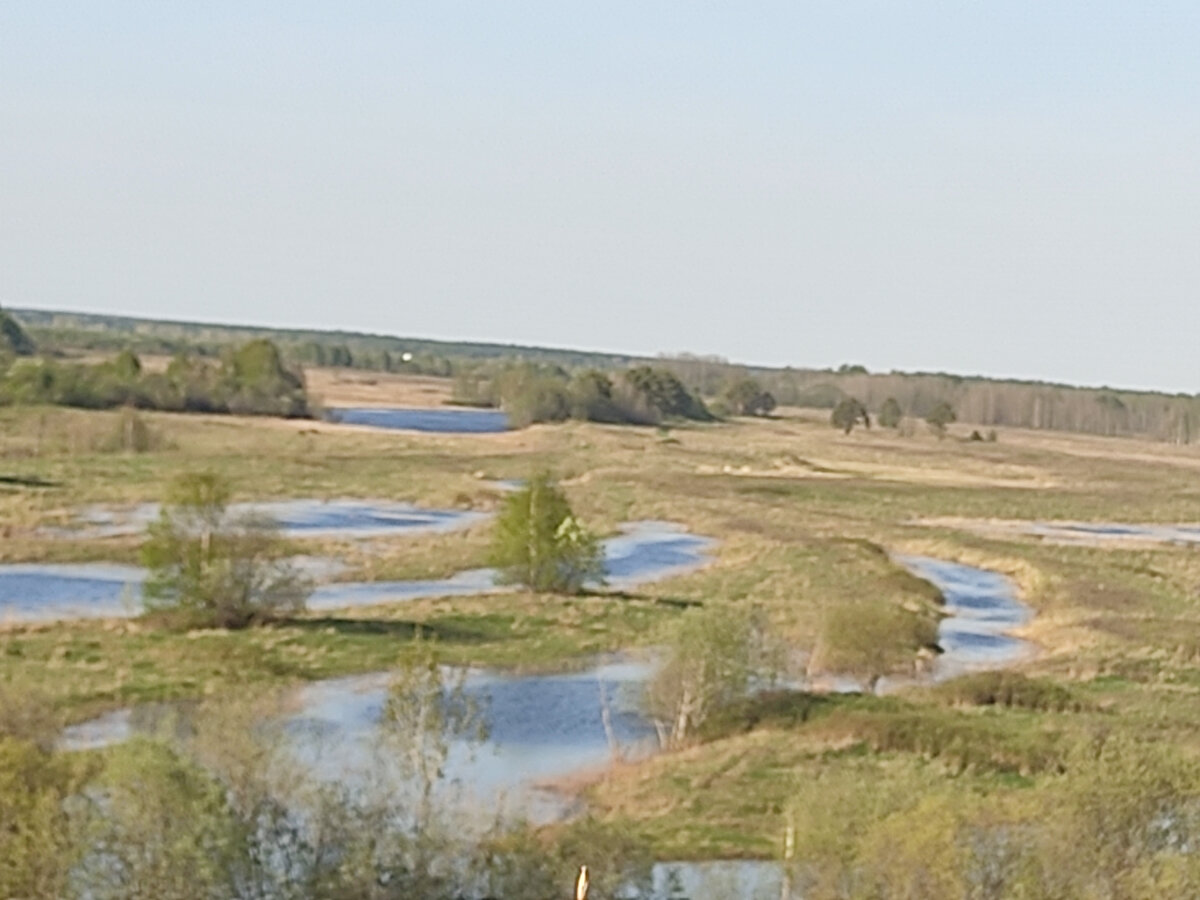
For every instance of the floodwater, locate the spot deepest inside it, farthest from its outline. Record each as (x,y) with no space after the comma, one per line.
(983,608)
(294,518)
(539,727)
(45,592)
(644,551)
(441,421)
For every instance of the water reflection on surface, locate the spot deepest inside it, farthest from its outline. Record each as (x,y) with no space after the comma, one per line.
(294,518)
(442,421)
(983,608)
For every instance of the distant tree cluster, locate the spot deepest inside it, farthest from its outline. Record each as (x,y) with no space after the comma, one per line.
(247,380)
(744,396)
(373,359)
(984,402)
(532,392)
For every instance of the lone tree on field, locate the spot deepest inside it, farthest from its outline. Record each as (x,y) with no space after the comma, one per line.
(890,413)
(848,413)
(746,397)
(941,416)
(540,544)
(210,568)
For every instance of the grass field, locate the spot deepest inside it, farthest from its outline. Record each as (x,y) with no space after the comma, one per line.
(801,512)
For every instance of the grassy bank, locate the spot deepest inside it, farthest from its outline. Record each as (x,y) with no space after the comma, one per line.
(805,517)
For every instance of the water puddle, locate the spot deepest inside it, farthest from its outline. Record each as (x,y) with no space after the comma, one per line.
(983,608)
(439,421)
(351,519)
(643,552)
(717,880)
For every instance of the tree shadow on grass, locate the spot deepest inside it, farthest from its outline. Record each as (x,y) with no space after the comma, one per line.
(442,632)
(28,481)
(632,597)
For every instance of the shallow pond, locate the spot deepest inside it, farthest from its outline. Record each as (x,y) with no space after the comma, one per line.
(644,551)
(442,421)
(983,608)
(540,727)
(295,518)
(35,592)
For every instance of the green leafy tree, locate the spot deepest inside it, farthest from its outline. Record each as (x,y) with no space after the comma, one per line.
(941,416)
(746,397)
(848,413)
(540,544)
(256,382)
(890,414)
(591,397)
(208,567)
(662,390)
(714,655)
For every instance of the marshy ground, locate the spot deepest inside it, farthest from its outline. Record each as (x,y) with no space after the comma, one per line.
(804,516)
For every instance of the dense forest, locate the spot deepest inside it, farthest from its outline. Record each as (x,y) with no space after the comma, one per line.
(557,384)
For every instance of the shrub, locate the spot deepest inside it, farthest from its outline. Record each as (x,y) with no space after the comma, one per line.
(1009,689)
(848,413)
(207,568)
(941,416)
(890,413)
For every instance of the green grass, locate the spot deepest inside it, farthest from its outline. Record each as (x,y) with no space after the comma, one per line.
(806,518)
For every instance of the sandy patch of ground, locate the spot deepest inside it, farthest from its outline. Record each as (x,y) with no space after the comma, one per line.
(1088,534)
(1012,477)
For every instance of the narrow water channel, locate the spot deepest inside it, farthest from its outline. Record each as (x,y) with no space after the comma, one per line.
(643,552)
(984,608)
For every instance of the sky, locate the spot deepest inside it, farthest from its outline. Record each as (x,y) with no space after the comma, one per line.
(1002,188)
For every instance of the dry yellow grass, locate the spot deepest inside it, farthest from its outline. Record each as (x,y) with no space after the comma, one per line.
(347,387)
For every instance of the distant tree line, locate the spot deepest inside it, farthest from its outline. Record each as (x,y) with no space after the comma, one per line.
(531,392)
(993,403)
(975,400)
(247,380)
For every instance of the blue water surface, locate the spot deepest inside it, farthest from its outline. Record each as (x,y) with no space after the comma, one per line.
(442,421)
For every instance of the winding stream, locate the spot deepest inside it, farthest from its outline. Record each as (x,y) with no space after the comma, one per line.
(984,608)
(644,551)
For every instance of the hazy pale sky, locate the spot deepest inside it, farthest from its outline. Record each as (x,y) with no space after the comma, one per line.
(1002,188)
